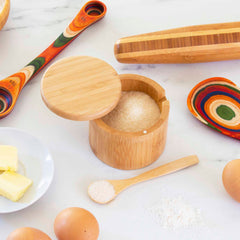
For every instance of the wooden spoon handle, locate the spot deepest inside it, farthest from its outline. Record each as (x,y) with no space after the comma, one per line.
(90,13)
(203,43)
(167,168)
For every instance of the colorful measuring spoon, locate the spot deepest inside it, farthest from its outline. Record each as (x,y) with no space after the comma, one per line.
(11,87)
(216,103)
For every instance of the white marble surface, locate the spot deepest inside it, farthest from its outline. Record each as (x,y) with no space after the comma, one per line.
(31,27)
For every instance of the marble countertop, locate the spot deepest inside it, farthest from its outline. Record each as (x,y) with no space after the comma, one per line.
(32,25)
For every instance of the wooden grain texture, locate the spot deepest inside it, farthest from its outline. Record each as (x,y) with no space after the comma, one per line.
(120,185)
(81,88)
(203,43)
(4,12)
(124,150)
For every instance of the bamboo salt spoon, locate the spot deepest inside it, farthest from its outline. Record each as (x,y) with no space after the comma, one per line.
(11,86)
(106,190)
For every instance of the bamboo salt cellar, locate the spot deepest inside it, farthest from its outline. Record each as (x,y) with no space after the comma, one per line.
(132,150)
(120,185)
(85,88)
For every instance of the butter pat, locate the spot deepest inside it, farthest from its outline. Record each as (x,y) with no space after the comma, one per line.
(8,158)
(13,185)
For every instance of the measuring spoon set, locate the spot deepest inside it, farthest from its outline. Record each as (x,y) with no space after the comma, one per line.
(215,101)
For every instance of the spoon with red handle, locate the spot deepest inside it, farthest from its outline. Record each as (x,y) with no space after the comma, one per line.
(11,86)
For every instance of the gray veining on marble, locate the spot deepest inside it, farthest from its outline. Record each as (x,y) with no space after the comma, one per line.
(31,27)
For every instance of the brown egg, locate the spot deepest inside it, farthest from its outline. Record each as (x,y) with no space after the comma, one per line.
(76,224)
(28,233)
(231,179)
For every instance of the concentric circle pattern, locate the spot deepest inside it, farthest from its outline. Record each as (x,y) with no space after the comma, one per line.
(5,100)
(216,103)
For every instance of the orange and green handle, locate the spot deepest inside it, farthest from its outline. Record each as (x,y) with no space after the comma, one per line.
(11,86)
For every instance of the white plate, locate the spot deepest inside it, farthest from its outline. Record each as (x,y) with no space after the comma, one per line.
(35,162)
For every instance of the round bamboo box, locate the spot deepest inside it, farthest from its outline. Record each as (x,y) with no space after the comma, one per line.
(85,88)
(124,150)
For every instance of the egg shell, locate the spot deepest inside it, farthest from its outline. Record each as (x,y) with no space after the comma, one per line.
(76,224)
(27,233)
(231,179)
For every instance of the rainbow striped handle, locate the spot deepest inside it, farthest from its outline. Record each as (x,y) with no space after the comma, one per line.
(11,86)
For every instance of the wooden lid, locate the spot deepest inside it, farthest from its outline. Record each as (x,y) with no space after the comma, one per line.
(81,88)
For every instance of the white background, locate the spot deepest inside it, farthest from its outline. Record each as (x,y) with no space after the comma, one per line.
(32,26)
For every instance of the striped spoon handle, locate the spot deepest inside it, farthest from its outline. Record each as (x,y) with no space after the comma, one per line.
(10,87)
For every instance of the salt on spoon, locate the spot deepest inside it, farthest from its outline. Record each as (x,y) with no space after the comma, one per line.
(105,191)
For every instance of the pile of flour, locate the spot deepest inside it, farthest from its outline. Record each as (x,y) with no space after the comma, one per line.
(175,213)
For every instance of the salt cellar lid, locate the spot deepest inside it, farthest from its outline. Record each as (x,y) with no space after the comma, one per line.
(81,88)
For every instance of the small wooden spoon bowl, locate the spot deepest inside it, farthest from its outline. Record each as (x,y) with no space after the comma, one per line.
(4,12)
(115,187)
